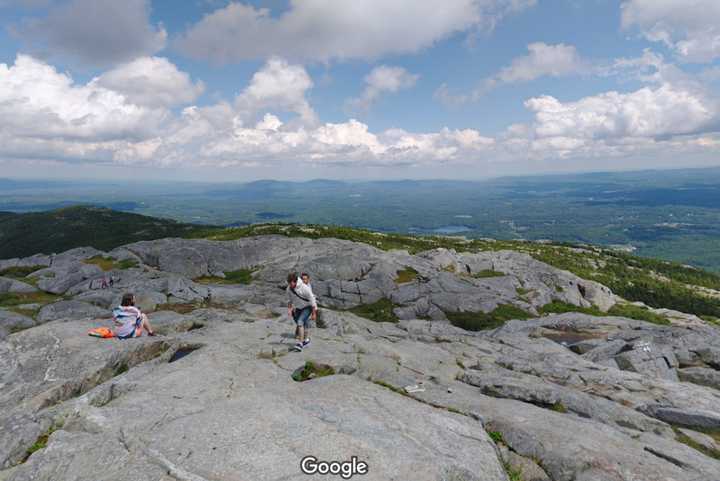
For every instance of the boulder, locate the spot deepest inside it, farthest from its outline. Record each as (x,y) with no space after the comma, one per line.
(14,286)
(71,310)
(650,359)
(701,375)
(12,322)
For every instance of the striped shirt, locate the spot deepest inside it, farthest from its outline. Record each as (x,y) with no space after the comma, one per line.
(127,317)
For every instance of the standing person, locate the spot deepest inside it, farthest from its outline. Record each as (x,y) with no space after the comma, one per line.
(130,319)
(302,307)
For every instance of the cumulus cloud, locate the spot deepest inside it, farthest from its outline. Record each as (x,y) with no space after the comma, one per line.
(278,85)
(151,81)
(542,60)
(338,29)
(38,101)
(46,115)
(380,80)
(690,28)
(96,32)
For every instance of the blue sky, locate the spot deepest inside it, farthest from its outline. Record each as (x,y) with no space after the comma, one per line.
(218,90)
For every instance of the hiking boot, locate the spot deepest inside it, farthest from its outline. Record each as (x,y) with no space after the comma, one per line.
(306,342)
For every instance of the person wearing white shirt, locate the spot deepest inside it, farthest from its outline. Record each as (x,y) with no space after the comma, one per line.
(302,307)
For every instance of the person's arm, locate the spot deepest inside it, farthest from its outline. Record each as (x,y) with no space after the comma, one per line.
(290,302)
(313,302)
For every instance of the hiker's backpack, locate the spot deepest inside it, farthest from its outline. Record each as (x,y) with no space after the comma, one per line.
(103,332)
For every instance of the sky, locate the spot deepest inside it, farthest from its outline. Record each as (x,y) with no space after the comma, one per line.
(219,90)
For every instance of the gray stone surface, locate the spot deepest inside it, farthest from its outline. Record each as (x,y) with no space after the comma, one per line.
(15,286)
(71,310)
(414,399)
(701,375)
(12,321)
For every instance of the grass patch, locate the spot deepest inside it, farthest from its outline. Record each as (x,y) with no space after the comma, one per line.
(449,268)
(559,307)
(388,386)
(240,276)
(496,436)
(127,264)
(104,263)
(559,407)
(41,442)
(380,311)
(639,313)
(687,440)
(513,474)
(406,275)
(19,272)
(481,321)
(12,299)
(488,273)
(312,370)
(619,310)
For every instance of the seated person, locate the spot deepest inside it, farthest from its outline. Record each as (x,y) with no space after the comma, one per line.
(130,319)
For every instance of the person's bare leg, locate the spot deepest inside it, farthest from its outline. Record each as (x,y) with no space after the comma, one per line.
(301,334)
(146,324)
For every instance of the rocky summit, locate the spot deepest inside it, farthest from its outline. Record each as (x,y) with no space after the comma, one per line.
(439,365)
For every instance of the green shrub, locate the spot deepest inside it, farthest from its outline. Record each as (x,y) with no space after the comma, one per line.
(481,321)
(312,370)
(380,311)
(559,307)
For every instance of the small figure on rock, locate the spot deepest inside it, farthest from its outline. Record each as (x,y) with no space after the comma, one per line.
(132,322)
(104,284)
(302,307)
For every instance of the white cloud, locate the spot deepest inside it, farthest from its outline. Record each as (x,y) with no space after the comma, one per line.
(96,32)
(151,81)
(338,29)
(383,79)
(47,116)
(690,27)
(542,60)
(38,101)
(278,85)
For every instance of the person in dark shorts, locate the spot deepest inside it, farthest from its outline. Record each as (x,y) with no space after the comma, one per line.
(302,307)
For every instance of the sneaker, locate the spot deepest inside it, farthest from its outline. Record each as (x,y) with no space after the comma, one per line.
(299,346)
(306,342)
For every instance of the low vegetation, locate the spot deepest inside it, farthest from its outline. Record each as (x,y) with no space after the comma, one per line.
(312,370)
(380,311)
(406,275)
(41,442)
(687,440)
(19,273)
(109,264)
(488,273)
(619,310)
(240,276)
(14,299)
(481,321)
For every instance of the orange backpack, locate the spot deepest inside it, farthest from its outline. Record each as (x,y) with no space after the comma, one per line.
(104,332)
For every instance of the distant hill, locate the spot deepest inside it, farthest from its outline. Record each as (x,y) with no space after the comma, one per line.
(58,230)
